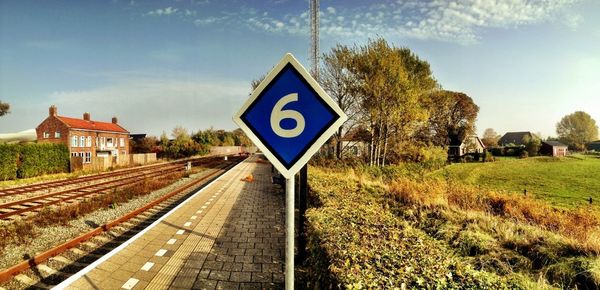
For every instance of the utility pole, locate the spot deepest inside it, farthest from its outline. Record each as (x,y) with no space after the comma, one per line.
(303,192)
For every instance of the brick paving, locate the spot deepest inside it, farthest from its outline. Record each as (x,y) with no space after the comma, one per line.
(230,236)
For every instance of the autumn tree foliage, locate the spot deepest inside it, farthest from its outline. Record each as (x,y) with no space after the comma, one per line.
(4,108)
(490,137)
(577,129)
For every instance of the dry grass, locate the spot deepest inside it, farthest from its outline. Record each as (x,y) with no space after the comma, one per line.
(581,225)
(22,230)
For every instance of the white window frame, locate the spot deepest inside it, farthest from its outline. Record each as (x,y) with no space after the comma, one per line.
(56,134)
(88,157)
(121,142)
(74,140)
(89,141)
(82,141)
(46,135)
(110,144)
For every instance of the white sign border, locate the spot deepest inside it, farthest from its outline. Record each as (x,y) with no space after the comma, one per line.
(288,58)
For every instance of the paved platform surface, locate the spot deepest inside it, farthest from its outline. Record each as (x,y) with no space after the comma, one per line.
(229,236)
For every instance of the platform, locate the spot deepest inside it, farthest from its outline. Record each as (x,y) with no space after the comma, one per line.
(229,235)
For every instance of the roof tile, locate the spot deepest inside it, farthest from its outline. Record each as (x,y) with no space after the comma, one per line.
(92,125)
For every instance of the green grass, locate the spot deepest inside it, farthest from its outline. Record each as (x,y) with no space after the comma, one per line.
(564,182)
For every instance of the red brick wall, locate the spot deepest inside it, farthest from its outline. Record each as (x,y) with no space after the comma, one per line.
(52,125)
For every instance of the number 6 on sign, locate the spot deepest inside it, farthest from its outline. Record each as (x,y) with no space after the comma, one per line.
(277,115)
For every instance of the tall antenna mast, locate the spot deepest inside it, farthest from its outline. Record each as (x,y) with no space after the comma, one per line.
(314,37)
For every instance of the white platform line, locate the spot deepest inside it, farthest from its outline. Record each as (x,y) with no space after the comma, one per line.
(187,224)
(147,266)
(160,253)
(194,217)
(171,241)
(180,232)
(129,284)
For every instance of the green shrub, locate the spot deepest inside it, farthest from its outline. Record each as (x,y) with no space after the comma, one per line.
(29,160)
(9,157)
(488,157)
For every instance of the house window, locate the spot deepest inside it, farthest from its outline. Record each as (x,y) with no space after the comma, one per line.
(82,141)
(109,142)
(56,134)
(46,135)
(88,157)
(74,141)
(73,154)
(102,141)
(121,142)
(89,141)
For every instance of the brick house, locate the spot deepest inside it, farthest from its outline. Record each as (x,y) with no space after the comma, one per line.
(85,138)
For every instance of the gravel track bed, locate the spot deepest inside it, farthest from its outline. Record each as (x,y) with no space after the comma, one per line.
(11,198)
(51,236)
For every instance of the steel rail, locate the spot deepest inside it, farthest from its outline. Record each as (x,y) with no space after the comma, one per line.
(10,272)
(41,201)
(65,182)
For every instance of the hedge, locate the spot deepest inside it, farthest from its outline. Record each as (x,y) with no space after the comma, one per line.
(9,157)
(30,160)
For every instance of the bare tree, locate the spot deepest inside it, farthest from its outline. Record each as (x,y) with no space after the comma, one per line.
(340,84)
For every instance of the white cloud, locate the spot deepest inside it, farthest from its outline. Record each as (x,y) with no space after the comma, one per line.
(192,103)
(163,11)
(460,22)
(209,20)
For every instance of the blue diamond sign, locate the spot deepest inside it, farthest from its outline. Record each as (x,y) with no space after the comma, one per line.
(289,116)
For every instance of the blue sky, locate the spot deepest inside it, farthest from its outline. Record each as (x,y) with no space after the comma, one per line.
(160,64)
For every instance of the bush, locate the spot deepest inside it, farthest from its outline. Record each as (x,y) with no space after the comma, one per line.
(29,160)
(496,151)
(524,154)
(42,158)
(9,157)
(488,157)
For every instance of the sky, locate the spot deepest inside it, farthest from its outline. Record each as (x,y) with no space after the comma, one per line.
(161,64)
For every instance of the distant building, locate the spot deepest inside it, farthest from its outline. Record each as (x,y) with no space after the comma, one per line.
(516,138)
(553,148)
(85,138)
(469,144)
(594,146)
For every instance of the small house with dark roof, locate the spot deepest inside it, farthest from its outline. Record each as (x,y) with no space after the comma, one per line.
(553,148)
(469,144)
(594,146)
(516,138)
(84,137)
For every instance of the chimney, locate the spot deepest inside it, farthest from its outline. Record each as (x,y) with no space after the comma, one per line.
(114,120)
(52,111)
(86,116)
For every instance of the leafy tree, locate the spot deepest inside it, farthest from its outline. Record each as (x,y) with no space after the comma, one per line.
(532,145)
(490,138)
(4,108)
(241,139)
(451,114)
(145,145)
(577,129)
(391,82)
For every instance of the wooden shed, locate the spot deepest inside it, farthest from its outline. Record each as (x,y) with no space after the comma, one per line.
(553,148)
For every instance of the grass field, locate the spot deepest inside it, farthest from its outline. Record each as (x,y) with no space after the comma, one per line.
(366,232)
(564,182)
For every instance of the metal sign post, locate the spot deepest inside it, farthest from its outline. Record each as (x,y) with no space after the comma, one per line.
(289,117)
(289,233)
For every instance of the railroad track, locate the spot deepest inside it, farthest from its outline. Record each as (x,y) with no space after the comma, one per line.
(90,178)
(57,264)
(27,206)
